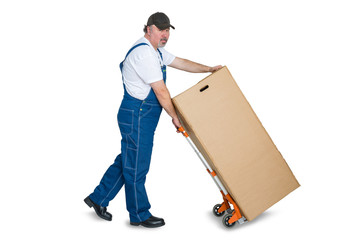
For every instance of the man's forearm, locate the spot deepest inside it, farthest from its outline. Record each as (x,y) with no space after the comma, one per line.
(189,66)
(164,99)
(166,103)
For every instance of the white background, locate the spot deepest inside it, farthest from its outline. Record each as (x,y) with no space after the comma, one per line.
(61,88)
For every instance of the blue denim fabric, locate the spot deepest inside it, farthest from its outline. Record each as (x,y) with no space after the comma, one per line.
(137,121)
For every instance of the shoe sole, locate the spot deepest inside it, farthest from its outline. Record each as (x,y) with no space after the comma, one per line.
(147,226)
(91,205)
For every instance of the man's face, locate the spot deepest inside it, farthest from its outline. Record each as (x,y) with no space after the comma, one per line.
(159,37)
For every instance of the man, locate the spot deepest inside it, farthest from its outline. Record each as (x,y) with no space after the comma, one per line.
(145,94)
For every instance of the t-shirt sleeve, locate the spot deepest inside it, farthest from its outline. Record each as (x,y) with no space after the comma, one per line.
(167,57)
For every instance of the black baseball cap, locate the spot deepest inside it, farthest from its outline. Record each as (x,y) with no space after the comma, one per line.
(160,20)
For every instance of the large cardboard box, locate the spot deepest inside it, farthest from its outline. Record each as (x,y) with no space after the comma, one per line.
(225,129)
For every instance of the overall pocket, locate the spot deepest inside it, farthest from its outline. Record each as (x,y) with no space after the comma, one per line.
(125,120)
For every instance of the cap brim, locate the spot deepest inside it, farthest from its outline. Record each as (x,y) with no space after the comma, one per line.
(164,26)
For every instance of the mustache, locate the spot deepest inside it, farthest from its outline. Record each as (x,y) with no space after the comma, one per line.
(164,39)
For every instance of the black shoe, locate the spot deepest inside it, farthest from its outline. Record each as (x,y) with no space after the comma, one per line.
(151,222)
(100,211)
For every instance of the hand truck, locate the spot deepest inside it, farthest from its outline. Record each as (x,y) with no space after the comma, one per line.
(233,213)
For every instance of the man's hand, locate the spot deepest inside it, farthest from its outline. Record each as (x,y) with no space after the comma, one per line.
(176,123)
(215,68)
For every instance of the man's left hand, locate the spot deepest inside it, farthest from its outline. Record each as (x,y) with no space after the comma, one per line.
(215,68)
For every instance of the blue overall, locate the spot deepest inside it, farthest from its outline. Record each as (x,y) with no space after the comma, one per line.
(137,120)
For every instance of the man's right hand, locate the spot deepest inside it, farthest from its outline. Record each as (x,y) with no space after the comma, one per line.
(176,123)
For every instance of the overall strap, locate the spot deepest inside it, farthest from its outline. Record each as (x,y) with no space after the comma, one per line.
(130,50)
(160,53)
(163,68)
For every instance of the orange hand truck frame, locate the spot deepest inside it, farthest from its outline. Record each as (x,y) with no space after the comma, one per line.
(233,213)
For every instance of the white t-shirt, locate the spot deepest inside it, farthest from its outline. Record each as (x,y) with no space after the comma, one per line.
(143,67)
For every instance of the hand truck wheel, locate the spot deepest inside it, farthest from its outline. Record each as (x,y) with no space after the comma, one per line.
(215,210)
(226,221)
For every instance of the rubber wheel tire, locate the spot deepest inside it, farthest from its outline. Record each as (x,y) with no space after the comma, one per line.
(215,210)
(226,221)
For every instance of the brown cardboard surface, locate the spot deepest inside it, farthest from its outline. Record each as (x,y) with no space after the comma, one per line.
(228,133)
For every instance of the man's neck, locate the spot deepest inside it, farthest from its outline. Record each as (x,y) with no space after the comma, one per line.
(148,38)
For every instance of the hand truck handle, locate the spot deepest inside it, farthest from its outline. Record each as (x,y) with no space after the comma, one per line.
(181,130)
(226,196)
